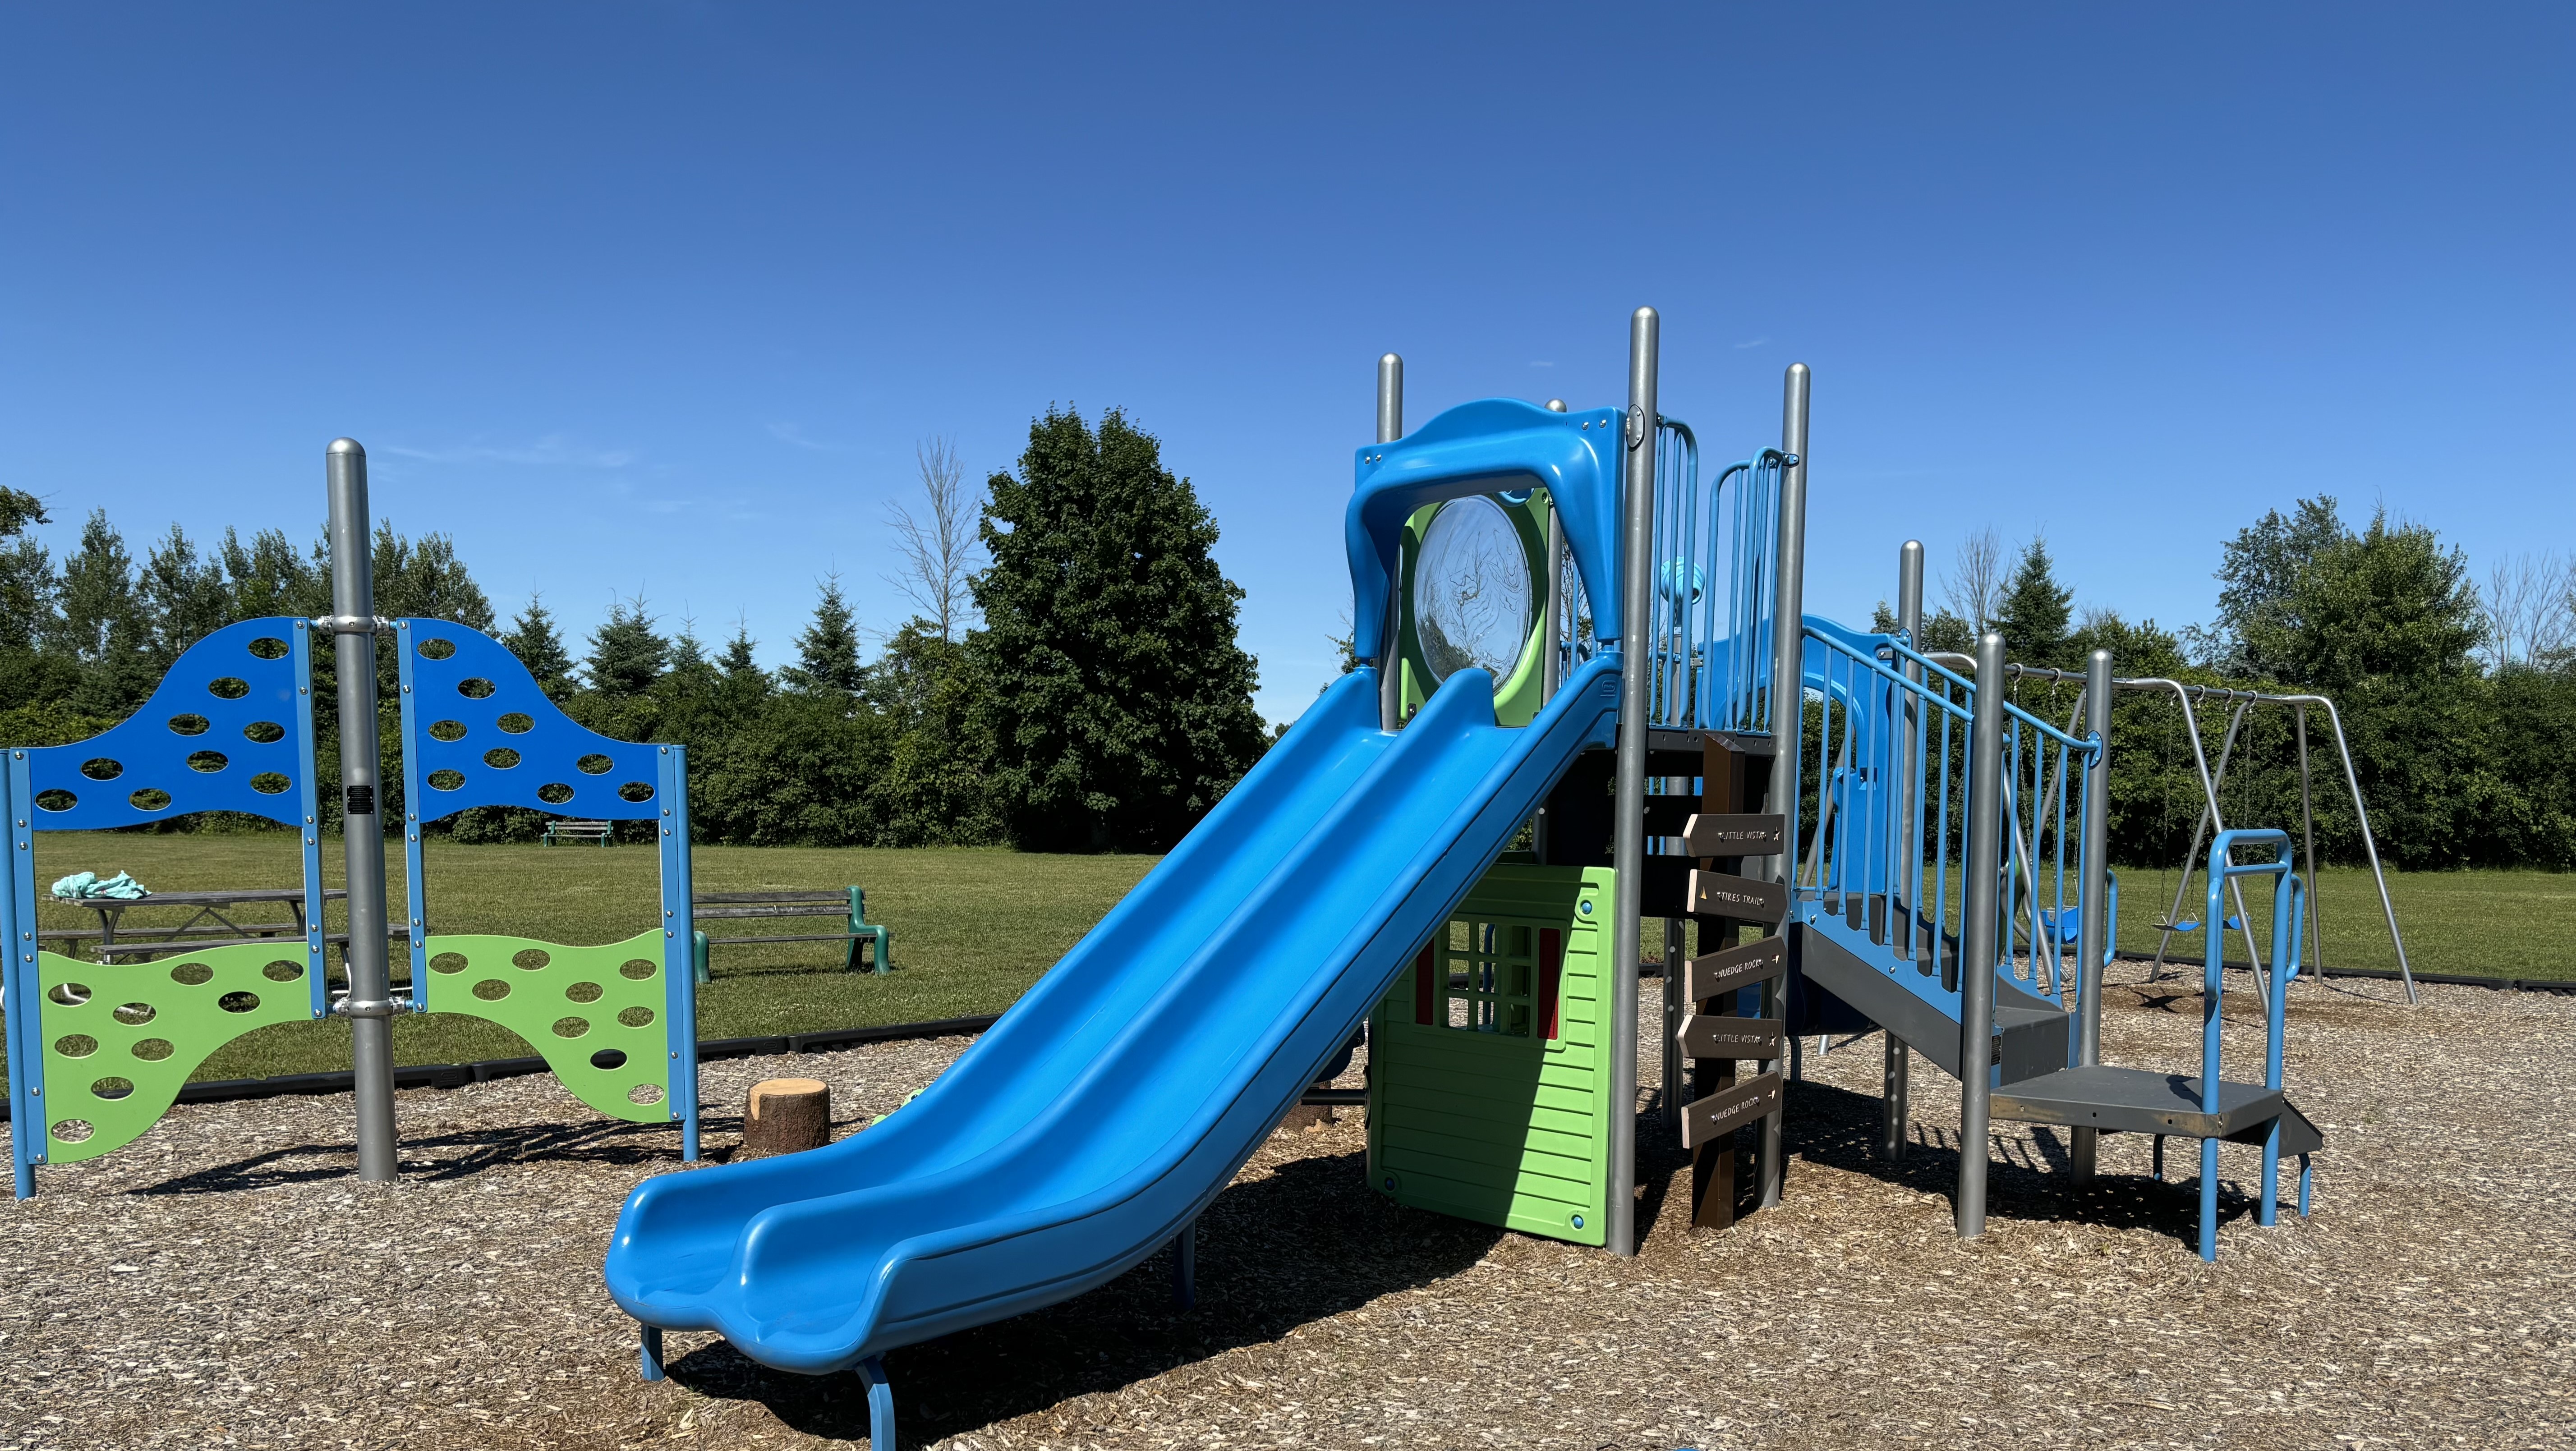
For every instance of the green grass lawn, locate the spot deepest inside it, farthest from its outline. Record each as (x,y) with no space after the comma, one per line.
(972,928)
(2481,924)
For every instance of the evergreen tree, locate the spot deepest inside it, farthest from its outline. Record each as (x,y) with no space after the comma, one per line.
(933,789)
(827,653)
(267,576)
(1117,702)
(539,645)
(99,626)
(424,578)
(626,654)
(738,661)
(2035,609)
(26,573)
(183,597)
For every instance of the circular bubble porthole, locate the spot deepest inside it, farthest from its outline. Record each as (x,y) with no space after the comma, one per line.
(1473,599)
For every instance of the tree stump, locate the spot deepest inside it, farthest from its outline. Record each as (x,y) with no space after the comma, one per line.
(786,1114)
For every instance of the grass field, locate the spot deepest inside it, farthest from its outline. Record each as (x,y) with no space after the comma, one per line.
(2483,924)
(973,928)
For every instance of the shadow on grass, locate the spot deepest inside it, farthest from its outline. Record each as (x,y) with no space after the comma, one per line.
(1307,1242)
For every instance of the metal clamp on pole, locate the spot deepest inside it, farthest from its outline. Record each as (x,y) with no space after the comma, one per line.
(353,624)
(370,1008)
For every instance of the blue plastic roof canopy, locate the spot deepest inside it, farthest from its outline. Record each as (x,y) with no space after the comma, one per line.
(1495,445)
(479,731)
(221,732)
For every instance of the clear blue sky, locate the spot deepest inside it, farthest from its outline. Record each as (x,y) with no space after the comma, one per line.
(659,298)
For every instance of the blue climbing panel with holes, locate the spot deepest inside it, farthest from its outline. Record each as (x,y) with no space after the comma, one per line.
(477,730)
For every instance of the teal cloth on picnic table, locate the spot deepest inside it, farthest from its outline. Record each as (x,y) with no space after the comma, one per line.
(121,887)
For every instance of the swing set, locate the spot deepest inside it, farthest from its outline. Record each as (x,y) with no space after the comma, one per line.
(2211,821)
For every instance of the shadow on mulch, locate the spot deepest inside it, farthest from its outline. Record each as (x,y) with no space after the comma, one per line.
(1307,1242)
(2027,1180)
(443,1156)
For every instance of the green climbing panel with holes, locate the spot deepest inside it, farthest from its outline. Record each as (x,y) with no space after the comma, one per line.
(122,1037)
(594,1012)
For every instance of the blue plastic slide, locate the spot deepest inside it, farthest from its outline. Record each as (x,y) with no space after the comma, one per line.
(1121,1094)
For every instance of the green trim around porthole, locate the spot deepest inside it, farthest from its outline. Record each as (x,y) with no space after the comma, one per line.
(1517,697)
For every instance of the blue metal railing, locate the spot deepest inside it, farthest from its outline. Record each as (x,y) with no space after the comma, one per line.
(2289,895)
(1886,819)
(1716,550)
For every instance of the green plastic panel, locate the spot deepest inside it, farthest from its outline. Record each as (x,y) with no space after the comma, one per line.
(121,1038)
(596,1013)
(1478,1113)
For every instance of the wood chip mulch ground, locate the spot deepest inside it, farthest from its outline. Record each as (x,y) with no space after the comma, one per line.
(225,1282)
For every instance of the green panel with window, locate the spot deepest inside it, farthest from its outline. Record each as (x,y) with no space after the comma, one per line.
(1489,1061)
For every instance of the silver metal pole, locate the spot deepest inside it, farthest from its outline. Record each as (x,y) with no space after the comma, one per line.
(2352,783)
(1983,876)
(1551,666)
(2093,924)
(353,623)
(1628,838)
(1902,904)
(2316,952)
(1390,661)
(1788,708)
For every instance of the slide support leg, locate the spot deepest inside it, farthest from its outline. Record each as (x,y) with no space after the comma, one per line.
(880,1404)
(652,1352)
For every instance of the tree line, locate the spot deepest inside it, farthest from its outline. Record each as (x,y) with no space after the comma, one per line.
(2459,704)
(1071,679)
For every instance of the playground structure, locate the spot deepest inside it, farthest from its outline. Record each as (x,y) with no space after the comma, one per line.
(1644,721)
(99,1050)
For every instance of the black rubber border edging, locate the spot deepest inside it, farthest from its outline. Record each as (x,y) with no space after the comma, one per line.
(2390,974)
(457,1075)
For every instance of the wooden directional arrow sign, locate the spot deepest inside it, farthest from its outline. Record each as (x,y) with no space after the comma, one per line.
(1717,894)
(1712,1035)
(1734,835)
(1734,967)
(1708,1119)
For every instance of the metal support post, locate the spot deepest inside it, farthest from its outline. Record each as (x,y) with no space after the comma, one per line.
(2093,921)
(1628,838)
(1390,660)
(2369,845)
(1788,716)
(1983,882)
(353,623)
(2316,951)
(1551,666)
(1905,892)
(1185,1266)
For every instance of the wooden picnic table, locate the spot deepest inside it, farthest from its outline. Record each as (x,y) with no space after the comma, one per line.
(210,916)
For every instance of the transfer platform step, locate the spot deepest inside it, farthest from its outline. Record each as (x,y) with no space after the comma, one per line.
(2141,1100)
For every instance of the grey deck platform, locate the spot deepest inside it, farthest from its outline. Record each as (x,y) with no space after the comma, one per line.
(2140,1100)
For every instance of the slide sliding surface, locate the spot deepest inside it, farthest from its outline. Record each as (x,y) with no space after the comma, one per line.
(1122,1092)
